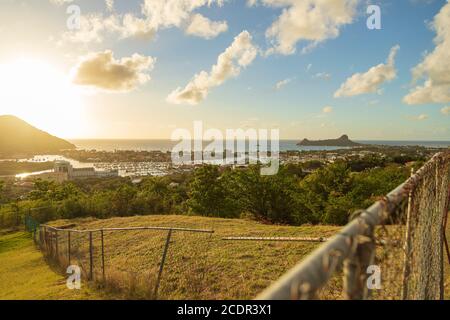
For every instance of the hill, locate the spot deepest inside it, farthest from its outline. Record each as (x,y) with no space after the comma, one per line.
(342,141)
(18,138)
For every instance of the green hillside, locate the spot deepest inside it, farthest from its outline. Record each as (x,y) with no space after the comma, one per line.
(18,138)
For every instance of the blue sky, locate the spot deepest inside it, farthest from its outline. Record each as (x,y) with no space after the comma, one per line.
(249,99)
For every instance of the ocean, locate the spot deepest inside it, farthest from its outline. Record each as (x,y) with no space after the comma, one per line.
(142,169)
(285,145)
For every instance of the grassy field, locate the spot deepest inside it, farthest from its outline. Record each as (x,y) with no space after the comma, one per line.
(25,275)
(447,268)
(198,265)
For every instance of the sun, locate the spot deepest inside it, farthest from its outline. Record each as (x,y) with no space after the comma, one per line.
(39,93)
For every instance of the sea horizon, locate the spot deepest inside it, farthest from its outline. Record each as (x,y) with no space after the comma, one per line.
(285,144)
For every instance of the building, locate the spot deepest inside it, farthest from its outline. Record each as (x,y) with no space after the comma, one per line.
(81,173)
(64,171)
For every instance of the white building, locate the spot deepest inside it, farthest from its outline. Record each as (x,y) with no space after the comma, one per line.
(81,173)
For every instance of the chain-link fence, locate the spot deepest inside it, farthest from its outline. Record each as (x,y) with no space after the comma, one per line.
(392,250)
(139,275)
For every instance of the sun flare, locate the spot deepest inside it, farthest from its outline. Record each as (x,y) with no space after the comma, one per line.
(39,93)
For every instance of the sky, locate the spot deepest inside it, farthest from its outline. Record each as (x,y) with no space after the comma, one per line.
(139,69)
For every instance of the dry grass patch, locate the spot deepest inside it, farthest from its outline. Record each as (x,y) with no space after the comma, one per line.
(198,266)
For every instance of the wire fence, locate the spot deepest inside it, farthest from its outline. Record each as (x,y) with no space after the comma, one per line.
(401,238)
(399,241)
(89,250)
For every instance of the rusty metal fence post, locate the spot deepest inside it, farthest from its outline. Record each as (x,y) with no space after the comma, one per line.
(103,255)
(56,244)
(407,246)
(446,210)
(68,247)
(44,236)
(355,267)
(40,237)
(50,237)
(163,260)
(91,257)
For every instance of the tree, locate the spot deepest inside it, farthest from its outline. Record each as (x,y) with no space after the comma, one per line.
(207,194)
(330,182)
(269,198)
(338,210)
(122,199)
(41,189)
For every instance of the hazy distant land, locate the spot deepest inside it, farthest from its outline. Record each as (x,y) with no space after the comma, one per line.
(18,138)
(342,141)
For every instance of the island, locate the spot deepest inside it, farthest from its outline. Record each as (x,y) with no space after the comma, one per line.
(342,141)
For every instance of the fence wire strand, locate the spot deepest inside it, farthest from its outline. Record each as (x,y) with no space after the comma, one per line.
(402,235)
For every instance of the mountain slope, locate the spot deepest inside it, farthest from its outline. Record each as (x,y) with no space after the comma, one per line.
(342,141)
(17,137)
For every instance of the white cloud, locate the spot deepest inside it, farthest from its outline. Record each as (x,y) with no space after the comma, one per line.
(307,20)
(445,110)
(155,15)
(203,27)
(327,109)
(435,68)
(370,81)
(136,27)
(93,28)
(161,14)
(282,83)
(101,70)
(420,117)
(238,55)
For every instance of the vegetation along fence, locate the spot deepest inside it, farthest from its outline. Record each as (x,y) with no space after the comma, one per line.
(87,249)
(400,238)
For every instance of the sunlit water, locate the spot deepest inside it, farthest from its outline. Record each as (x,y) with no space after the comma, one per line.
(126,169)
(285,145)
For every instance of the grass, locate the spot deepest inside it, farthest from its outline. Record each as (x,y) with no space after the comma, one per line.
(447,267)
(25,275)
(198,266)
